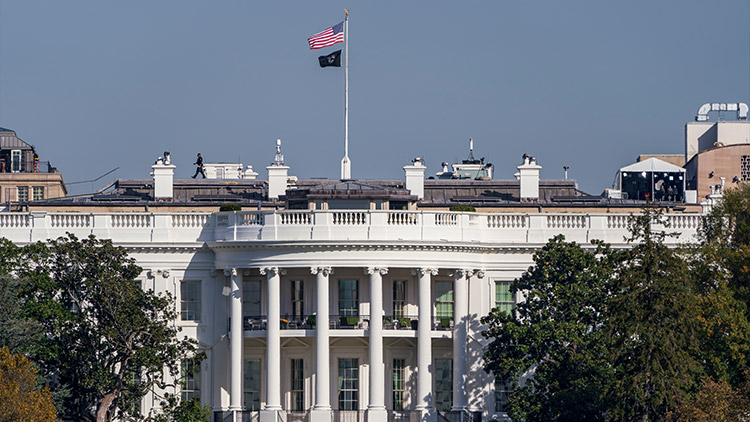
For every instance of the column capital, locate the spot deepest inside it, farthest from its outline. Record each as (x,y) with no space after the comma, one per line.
(272,271)
(463,272)
(373,270)
(230,271)
(425,271)
(326,271)
(480,273)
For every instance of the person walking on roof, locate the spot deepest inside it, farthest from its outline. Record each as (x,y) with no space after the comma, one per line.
(199,162)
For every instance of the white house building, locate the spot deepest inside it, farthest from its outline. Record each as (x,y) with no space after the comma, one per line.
(338,300)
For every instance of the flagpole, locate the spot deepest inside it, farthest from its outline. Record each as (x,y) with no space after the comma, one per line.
(346,170)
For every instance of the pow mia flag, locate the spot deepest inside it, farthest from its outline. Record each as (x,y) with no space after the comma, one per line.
(333,59)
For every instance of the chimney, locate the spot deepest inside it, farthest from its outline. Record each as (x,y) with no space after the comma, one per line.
(163,173)
(529,177)
(278,174)
(415,177)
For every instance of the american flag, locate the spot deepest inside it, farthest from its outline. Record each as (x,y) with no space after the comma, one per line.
(328,37)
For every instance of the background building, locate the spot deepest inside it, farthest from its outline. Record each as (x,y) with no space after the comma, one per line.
(717,153)
(23,177)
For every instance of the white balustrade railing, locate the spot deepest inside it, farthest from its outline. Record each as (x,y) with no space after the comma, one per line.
(402,218)
(683,221)
(376,225)
(70,220)
(617,221)
(567,221)
(507,221)
(446,219)
(349,218)
(295,217)
(190,220)
(14,220)
(131,220)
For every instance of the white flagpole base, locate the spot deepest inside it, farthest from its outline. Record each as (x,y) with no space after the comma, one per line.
(346,168)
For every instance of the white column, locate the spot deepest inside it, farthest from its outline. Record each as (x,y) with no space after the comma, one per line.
(236,338)
(425,399)
(273,340)
(460,316)
(376,409)
(321,411)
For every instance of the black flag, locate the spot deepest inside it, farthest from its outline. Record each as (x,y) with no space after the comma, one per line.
(333,59)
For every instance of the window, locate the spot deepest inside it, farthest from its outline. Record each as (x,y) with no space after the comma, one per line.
(399,298)
(502,393)
(251,388)
(23,193)
(443,384)
(745,168)
(15,161)
(251,299)
(190,300)
(38,192)
(503,296)
(444,299)
(399,383)
(348,384)
(298,301)
(298,385)
(348,298)
(191,380)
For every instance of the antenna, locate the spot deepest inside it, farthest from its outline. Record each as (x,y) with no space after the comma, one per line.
(471,149)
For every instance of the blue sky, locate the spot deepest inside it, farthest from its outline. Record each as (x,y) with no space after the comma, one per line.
(96,85)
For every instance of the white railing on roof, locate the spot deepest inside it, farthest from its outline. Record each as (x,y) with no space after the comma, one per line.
(327,225)
(506,221)
(291,217)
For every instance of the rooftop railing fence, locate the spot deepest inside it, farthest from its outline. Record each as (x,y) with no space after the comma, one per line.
(377,225)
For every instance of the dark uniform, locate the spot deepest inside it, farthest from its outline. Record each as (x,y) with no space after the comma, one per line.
(199,163)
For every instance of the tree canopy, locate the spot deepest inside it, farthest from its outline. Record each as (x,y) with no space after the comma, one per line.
(103,341)
(645,333)
(21,398)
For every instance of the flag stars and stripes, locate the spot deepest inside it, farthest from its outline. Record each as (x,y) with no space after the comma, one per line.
(327,37)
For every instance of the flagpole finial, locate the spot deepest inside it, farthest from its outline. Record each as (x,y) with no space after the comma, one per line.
(347,12)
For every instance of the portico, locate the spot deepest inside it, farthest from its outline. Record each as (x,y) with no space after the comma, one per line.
(370,304)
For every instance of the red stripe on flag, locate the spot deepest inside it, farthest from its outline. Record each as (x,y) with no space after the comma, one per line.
(325,38)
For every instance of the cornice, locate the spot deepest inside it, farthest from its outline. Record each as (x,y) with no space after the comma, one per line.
(379,246)
(163,248)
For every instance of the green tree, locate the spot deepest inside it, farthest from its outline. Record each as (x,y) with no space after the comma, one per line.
(556,335)
(725,236)
(652,326)
(17,332)
(105,339)
(175,410)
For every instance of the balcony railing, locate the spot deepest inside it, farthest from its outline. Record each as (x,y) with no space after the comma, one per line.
(306,322)
(228,416)
(404,416)
(338,322)
(405,322)
(376,225)
(347,322)
(349,416)
(442,323)
(255,323)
